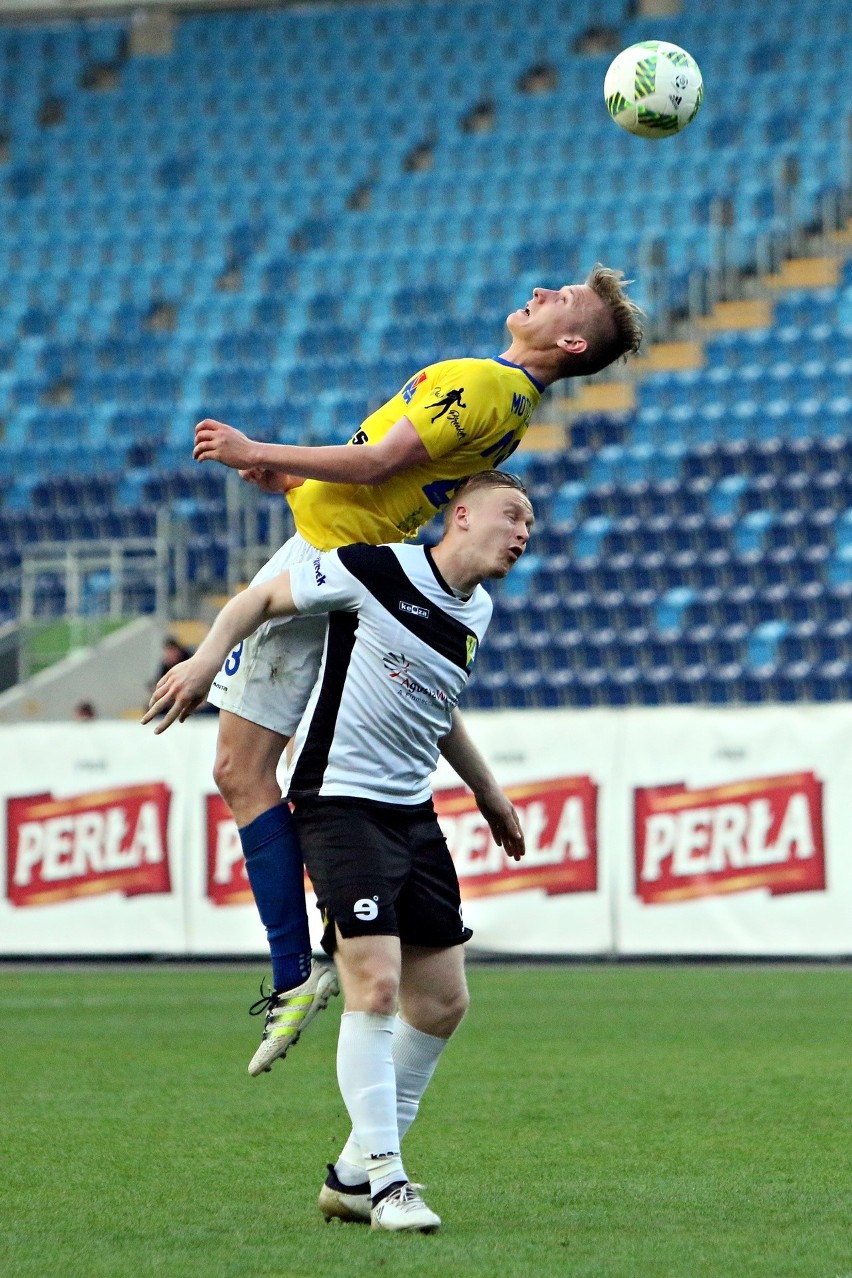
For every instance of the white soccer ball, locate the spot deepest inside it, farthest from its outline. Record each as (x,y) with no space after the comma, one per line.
(653,89)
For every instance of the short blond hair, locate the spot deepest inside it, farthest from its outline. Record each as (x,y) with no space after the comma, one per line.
(483,479)
(613,333)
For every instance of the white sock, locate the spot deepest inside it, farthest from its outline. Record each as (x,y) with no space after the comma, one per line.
(415,1058)
(367,1080)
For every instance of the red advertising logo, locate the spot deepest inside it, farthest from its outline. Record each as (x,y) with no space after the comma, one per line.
(227,881)
(729,838)
(559,821)
(88,844)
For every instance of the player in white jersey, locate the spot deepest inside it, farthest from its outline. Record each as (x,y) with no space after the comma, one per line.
(405,625)
(450,420)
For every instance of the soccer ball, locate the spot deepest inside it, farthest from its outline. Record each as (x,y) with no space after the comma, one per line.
(653,89)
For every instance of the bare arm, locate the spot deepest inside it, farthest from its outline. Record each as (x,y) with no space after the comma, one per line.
(400,449)
(463,756)
(270,481)
(183,688)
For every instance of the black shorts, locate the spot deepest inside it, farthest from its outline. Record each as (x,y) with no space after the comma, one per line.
(381,870)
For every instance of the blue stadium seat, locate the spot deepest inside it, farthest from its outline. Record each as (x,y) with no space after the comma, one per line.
(264,252)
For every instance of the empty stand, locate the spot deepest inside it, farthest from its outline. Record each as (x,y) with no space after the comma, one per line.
(279,221)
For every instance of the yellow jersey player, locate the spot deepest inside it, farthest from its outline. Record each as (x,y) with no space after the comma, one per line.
(450,420)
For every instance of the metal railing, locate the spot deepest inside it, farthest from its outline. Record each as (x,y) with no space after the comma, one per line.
(728,278)
(126,577)
(248,550)
(95,578)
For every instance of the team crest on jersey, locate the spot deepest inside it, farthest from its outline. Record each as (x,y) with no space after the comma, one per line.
(472,646)
(410,389)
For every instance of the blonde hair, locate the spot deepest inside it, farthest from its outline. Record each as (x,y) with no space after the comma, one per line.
(482,479)
(613,333)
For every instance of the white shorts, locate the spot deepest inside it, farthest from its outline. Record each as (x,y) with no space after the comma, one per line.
(268,678)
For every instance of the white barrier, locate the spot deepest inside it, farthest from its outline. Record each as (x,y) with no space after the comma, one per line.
(671,831)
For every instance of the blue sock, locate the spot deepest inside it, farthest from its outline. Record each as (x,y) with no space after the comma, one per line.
(274,867)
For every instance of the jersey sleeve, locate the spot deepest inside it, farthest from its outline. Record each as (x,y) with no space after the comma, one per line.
(452,405)
(324,585)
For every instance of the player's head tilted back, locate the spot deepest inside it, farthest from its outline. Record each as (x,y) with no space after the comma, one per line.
(487,525)
(576,330)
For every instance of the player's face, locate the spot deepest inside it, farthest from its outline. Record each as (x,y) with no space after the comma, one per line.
(502,519)
(551,314)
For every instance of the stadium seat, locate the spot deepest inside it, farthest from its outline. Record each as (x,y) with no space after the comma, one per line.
(282,250)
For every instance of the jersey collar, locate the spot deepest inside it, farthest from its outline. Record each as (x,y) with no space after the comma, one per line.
(427,550)
(498,359)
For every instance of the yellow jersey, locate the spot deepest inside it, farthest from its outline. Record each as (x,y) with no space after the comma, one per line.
(471,414)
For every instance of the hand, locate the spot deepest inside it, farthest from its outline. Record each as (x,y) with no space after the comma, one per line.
(270,481)
(215,441)
(503,822)
(180,691)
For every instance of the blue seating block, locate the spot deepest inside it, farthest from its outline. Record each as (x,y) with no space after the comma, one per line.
(672,606)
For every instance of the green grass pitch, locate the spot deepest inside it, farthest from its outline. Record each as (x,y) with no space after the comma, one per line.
(596,1121)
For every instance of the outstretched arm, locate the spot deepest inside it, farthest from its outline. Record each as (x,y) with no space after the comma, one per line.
(183,688)
(462,755)
(400,449)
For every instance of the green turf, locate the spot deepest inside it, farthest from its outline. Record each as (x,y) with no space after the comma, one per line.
(50,642)
(608,1122)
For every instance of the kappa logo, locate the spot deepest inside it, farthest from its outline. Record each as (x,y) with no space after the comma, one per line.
(318,573)
(413,609)
(448,401)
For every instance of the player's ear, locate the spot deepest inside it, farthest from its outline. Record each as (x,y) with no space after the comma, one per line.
(572,345)
(461,515)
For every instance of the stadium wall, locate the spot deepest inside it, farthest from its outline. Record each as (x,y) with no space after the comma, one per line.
(676,831)
(112,674)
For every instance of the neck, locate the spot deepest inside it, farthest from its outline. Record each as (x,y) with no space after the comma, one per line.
(542,365)
(455,568)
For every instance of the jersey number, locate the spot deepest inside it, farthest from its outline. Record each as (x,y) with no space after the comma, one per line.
(232,665)
(502,450)
(440,491)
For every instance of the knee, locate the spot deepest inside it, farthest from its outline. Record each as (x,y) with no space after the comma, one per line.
(225,774)
(451,1011)
(438,1013)
(380,990)
(238,779)
(370,987)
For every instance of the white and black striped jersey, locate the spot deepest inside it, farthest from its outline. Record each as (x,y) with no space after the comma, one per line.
(399,650)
